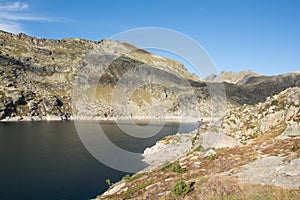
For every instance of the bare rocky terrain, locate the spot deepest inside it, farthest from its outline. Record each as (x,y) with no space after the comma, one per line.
(232,77)
(227,161)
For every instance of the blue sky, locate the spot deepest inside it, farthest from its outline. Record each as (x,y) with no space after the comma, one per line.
(261,35)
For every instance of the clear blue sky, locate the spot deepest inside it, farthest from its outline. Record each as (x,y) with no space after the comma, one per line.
(261,35)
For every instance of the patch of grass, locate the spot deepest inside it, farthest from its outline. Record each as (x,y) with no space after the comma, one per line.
(295,148)
(165,166)
(254,135)
(224,188)
(199,148)
(275,103)
(258,195)
(211,157)
(252,126)
(180,188)
(177,168)
(132,190)
(174,167)
(126,177)
(137,176)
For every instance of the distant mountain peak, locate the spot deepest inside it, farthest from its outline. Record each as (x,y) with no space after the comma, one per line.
(231,77)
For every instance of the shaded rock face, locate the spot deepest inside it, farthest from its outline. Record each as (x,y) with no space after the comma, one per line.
(38,78)
(259,88)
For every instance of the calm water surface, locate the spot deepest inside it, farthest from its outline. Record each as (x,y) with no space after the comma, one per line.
(46,160)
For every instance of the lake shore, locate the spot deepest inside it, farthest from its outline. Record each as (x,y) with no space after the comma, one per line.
(136,119)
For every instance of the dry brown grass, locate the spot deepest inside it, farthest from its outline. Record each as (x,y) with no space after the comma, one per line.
(219,187)
(283,147)
(206,185)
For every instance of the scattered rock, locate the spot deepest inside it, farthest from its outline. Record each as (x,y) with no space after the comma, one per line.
(271,170)
(160,152)
(210,152)
(293,130)
(217,140)
(115,188)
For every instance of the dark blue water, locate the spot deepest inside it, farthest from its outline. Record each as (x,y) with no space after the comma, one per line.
(46,160)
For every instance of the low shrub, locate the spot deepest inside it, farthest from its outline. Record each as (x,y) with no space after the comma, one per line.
(165,166)
(126,177)
(180,188)
(177,168)
(212,157)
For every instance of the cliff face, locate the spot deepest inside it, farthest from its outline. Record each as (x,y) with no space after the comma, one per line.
(39,78)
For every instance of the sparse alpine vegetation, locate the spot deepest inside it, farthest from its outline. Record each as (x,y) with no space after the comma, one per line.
(279,114)
(266,166)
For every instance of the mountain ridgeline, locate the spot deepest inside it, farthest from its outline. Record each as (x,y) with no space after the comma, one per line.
(38,78)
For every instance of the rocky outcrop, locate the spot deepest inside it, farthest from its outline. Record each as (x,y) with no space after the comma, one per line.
(266,167)
(272,170)
(278,114)
(168,149)
(172,147)
(253,146)
(292,130)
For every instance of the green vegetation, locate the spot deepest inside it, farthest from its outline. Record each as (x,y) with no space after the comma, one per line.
(165,166)
(199,148)
(212,157)
(254,135)
(177,168)
(126,177)
(174,167)
(129,178)
(180,188)
(275,103)
(295,148)
(136,188)
(135,177)
(108,182)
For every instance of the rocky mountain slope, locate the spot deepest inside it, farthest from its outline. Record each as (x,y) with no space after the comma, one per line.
(38,75)
(278,113)
(40,79)
(207,164)
(231,77)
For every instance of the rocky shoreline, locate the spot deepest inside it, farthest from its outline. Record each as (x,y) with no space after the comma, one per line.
(139,120)
(268,161)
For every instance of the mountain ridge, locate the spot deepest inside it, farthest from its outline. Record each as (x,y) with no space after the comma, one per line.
(38,77)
